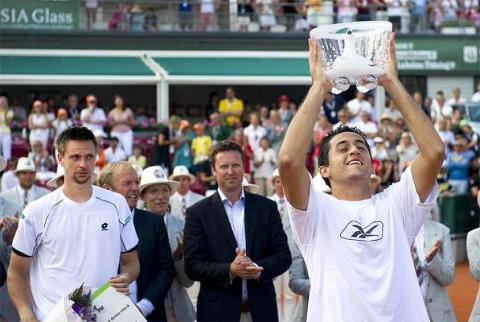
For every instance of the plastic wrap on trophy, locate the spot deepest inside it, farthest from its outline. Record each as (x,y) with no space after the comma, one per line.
(353,53)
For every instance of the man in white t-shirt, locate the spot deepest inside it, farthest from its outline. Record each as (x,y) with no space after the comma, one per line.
(358,104)
(92,116)
(357,246)
(77,234)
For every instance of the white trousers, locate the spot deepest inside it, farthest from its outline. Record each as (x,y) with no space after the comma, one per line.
(286,299)
(6,145)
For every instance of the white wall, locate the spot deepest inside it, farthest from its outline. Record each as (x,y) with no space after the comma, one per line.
(446,84)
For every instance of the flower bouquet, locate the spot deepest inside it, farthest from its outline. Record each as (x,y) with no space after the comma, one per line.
(75,307)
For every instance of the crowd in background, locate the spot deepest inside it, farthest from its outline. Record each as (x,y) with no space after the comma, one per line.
(258,129)
(280,15)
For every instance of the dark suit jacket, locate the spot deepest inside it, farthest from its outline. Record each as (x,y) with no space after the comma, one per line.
(209,248)
(156,265)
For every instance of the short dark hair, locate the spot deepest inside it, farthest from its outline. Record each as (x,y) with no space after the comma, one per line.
(224,146)
(324,149)
(74,133)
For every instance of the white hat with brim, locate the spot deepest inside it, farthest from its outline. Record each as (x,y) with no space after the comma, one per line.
(52,183)
(155,175)
(274,175)
(25,164)
(250,187)
(3,163)
(320,184)
(181,171)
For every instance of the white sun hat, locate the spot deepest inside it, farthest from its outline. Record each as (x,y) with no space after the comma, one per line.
(181,171)
(25,164)
(3,163)
(250,187)
(52,183)
(155,175)
(274,175)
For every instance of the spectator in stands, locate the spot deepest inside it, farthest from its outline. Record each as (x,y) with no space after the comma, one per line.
(347,10)
(427,102)
(397,10)
(185,15)
(216,130)
(388,172)
(290,12)
(138,159)
(61,122)
(358,104)
(207,14)
(343,116)
(263,115)
(473,254)
(115,151)
(440,108)
(163,146)
(455,121)
(156,190)
(386,131)
(265,161)
(44,162)
(434,264)
(379,151)
(418,11)
(254,132)
(91,11)
(246,149)
(6,116)
(200,145)
(266,13)
(476,95)
(331,106)
(456,99)
(206,176)
(100,160)
(183,197)
(136,17)
(38,124)
(285,114)
(25,191)
(447,136)
(19,111)
(392,110)
(150,20)
(418,98)
(363,10)
(183,149)
(275,131)
(471,137)
(117,20)
(92,116)
(367,126)
(406,151)
(9,179)
(121,120)
(230,108)
(457,166)
(73,108)
(320,130)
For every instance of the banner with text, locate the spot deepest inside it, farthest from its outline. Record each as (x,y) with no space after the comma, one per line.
(438,55)
(39,14)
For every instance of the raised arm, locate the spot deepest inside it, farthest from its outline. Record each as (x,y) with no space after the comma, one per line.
(293,152)
(429,160)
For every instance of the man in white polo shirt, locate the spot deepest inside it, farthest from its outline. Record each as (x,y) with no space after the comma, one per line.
(77,234)
(357,246)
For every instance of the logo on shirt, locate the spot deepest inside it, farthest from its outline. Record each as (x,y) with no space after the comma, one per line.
(104,226)
(355,231)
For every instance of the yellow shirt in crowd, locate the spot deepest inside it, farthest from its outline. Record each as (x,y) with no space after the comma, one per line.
(200,147)
(231,106)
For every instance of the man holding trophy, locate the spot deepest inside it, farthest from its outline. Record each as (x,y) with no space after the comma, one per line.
(78,234)
(357,246)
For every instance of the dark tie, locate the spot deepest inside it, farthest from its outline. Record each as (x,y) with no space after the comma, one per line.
(416,264)
(184,206)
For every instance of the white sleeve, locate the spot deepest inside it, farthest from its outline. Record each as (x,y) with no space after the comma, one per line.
(304,223)
(128,235)
(407,202)
(29,230)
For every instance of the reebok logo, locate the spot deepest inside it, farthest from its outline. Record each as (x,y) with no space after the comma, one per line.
(104,226)
(355,231)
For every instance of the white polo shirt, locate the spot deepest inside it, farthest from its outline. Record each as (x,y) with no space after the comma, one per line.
(358,254)
(72,243)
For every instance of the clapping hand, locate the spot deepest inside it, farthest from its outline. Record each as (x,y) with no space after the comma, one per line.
(10,225)
(243,267)
(434,250)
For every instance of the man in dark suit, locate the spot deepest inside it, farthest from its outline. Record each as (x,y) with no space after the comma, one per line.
(234,245)
(157,272)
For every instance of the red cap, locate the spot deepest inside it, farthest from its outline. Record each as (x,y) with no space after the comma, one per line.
(283,98)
